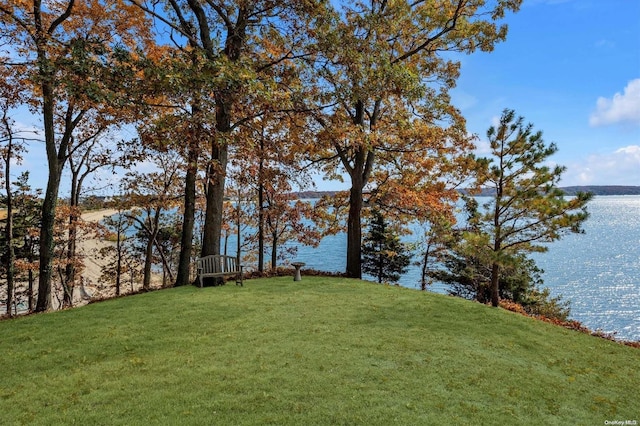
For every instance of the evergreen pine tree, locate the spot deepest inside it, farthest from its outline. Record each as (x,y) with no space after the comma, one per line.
(383,255)
(26,220)
(527,209)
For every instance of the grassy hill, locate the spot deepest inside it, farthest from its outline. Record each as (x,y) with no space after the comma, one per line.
(321,351)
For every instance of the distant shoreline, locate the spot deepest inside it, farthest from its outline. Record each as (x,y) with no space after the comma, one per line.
(568,190)
(603,189)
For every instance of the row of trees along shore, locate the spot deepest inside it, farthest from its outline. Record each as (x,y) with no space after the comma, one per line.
(247,100)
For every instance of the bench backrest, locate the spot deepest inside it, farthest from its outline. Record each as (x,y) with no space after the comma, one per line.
(217,263)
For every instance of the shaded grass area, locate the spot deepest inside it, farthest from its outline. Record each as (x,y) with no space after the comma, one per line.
(320,351)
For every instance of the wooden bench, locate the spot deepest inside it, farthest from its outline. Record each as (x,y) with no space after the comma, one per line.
(218,265)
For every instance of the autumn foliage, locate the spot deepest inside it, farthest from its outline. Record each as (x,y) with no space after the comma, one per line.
(569,324)
(234,106)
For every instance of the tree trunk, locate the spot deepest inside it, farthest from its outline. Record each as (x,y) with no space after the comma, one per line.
(261,208)
(9,227)
(425,268)
(216,181)
(261,228)
(274,250)
(359,168)
(56,152)
(495,289)
(53,183)
(354,230)
(239,235)
(188,219)
(381,260)
(148,260)
(152,231)
(119,256)
(51,194)
(213,217)
(164,276)
(215,202)
(47,241)
(497,246)
(70,269)
(9,237)
(497,237)
(30,298)
(189,214)
(225,100)
(165,262)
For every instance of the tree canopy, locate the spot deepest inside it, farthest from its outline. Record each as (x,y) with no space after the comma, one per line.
(382,73)
(269,92)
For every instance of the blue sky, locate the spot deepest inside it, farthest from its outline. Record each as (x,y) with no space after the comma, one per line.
(570,67)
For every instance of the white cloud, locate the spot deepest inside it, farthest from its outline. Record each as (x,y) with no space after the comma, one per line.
(604,43)
(620,167)
(632,150)
(622,108)
(463,100)
(483,148)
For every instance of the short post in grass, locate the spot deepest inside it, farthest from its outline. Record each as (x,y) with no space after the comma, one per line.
(297,265)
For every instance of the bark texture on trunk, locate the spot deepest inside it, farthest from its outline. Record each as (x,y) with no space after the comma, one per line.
(68,283)
(215,199)
(56,155)
(152,231)
(261,208)
(225,100)
(8,230)
(495,287)
(44,301)
(497,241)
(148,259)
(359,166)
(188,219)
(9,238)
(118,260)
(354,231)
(274,250)
(216,177)
(51,194)
(261,228)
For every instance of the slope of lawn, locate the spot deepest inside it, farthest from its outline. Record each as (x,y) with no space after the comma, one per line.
(321,351)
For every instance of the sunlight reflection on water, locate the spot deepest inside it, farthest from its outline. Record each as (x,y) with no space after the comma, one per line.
(599,272)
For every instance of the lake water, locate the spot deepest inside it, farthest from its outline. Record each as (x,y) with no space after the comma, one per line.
(598,272)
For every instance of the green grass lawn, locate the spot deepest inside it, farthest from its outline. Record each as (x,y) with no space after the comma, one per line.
(324,351)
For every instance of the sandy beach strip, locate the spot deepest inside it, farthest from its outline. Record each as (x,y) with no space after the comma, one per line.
(89,247)
(98,215)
